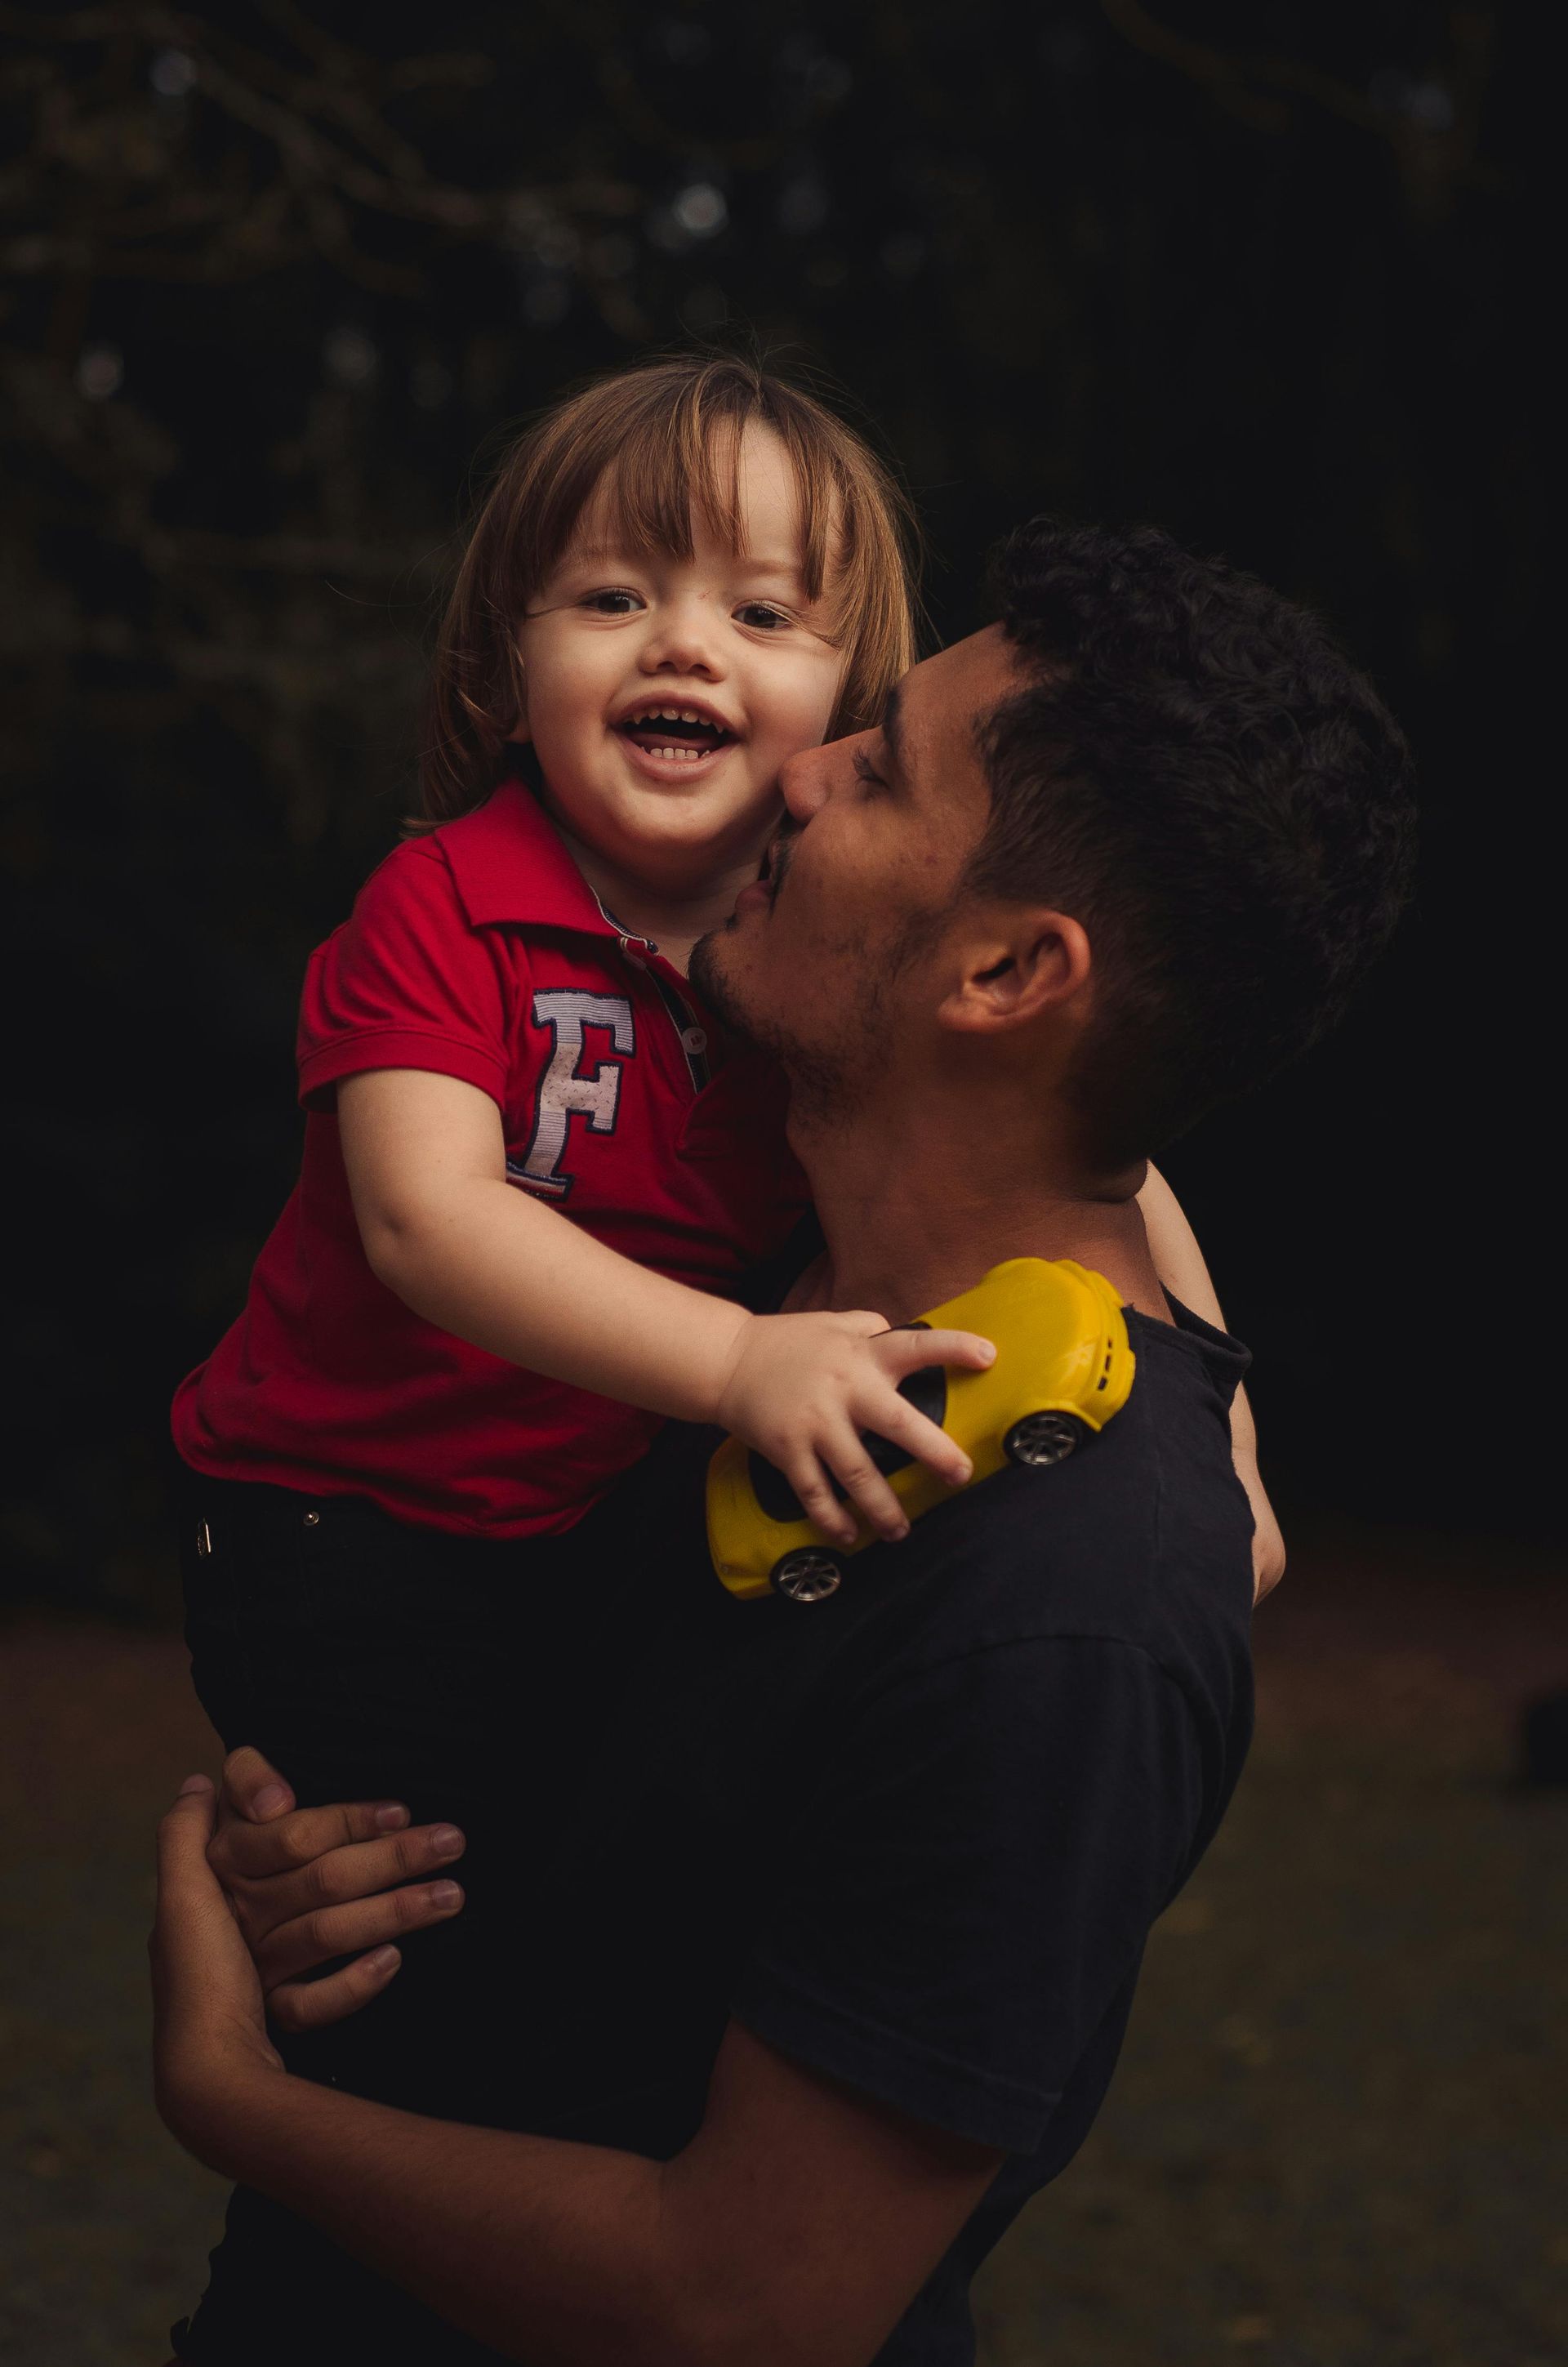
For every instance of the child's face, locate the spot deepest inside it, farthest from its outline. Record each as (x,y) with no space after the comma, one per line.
(727,642)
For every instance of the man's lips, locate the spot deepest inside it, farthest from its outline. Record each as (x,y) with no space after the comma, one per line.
(761,894)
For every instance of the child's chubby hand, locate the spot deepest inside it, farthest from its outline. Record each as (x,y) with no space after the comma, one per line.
(801,1389)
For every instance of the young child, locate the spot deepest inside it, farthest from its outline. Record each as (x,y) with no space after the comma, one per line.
(534,1169)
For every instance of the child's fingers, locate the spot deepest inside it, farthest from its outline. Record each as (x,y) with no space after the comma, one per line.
(313,2005)
(818,1502)
(844,1452)
(894,1418)
(904,1352)
(316,1938)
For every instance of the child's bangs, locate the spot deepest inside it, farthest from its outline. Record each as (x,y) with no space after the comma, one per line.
(646,471)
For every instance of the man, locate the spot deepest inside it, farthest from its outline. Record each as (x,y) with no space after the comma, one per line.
(827,1921)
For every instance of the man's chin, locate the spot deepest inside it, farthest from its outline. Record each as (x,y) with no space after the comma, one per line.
(709,972)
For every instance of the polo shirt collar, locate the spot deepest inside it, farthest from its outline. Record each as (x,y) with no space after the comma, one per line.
(508,863)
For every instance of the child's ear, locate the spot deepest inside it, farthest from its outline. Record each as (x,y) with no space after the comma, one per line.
(1034,963)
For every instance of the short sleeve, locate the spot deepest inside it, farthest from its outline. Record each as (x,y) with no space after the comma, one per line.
(971,1885)
(407,982)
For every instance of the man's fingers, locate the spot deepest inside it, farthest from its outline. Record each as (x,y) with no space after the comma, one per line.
(344,1876)
(363,1870)
(253,1851)
(184,1831)
(330,1931)
(311,2005)
(368,1867)
(253,1786)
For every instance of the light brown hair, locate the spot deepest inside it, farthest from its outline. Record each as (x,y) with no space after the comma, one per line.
(657,439)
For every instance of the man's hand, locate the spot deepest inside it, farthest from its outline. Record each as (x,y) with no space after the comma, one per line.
(801,1389)
(209,2041)
(1268,1553)
(308,1885)
(1268,1541)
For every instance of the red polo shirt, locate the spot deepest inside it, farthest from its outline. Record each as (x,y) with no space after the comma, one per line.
(481,952)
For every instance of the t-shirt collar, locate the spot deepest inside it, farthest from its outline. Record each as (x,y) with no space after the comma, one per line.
(508,863)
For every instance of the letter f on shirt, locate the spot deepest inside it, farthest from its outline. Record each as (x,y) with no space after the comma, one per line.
(563,1091)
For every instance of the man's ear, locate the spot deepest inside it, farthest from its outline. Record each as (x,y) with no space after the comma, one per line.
(1031,963)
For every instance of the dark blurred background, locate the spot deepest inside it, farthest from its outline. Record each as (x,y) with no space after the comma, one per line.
(275,276)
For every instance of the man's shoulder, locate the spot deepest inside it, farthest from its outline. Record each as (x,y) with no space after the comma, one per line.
(1141,1537)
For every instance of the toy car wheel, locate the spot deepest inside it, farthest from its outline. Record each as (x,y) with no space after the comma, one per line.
(809,1574)
(1043,1438)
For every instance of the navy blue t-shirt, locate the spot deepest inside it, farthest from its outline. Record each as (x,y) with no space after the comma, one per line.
(913,1835)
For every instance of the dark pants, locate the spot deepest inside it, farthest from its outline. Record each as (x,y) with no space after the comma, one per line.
(372,1660)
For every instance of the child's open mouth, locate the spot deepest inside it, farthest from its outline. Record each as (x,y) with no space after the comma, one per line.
(677,735)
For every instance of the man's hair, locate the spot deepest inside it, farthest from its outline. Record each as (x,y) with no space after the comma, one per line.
(1200,775)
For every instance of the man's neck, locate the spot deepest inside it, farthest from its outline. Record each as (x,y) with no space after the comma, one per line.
(912,1216)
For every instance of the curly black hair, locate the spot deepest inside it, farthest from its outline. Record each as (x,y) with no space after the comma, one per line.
(1200,775)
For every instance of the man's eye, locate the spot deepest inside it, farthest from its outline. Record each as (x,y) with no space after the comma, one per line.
(867,773)
(613,604)
(758,614)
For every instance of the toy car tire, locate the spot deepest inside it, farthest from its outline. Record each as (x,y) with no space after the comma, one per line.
(809,1574)
(1041,1439)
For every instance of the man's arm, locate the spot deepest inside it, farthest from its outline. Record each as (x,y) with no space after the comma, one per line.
(1181,1264)
(792,2231)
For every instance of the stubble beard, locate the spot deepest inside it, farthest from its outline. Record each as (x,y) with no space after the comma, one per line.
(827,1080)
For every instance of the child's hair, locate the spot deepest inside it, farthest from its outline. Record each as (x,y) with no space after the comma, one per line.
(652,437)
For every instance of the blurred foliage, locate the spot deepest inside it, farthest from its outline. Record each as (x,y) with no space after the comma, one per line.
(274,274)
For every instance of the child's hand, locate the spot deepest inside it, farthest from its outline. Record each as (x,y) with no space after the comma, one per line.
(801,1389)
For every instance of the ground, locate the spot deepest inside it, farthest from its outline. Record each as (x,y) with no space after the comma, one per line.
(1336,2135)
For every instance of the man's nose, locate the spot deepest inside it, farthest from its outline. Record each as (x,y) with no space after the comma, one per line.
(684,639)
(805,784)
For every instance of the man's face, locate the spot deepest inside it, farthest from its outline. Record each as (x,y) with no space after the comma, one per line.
(835,960)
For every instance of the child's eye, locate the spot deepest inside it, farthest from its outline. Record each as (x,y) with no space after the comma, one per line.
(756,613)
(613,604)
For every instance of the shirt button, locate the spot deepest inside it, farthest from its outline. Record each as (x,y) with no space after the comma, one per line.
(695,1039)
(312,1520)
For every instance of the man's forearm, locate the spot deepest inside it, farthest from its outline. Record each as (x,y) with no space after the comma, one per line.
(548,2251)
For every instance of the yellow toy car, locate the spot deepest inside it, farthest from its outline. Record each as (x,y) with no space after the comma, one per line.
(1064,1368)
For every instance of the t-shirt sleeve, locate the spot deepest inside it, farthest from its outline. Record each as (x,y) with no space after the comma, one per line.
(406,983)
(972,1881)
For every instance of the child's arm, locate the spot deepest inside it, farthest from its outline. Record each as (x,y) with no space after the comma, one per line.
(1179,1263)
(443,1228)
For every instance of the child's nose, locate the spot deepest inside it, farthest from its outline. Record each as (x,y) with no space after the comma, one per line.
(684,640)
